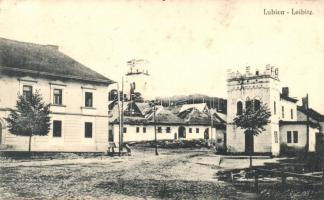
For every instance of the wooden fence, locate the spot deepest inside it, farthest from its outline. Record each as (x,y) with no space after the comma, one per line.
(284,175)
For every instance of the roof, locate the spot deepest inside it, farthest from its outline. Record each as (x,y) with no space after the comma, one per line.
(199,106)
(287,98)
(144,107)
(311,113)
(47,60)
(311,124)
(164,116)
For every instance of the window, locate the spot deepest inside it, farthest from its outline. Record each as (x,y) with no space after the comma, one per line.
(190,130)
(292,113)
(276,137)
(256,104)
(282,112)
(124,130)
(288,136)
(219,140)
(137,129)
(295,136)
(144,129)
(88,129)
(88,99)
(57,128)
(168,129)
(111,136)
(27,91)
(159,129)
(248,105)
(239,108)
(57,97)
(274,108)
(197,130)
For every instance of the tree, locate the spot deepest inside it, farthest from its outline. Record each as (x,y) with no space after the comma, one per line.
(253,120)
(31,117)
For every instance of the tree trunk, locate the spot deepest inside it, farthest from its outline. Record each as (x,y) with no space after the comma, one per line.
(29,147)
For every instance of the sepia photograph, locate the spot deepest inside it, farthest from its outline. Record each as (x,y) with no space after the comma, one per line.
(161,99)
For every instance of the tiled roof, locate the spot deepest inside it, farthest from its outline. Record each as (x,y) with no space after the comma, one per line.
(47,60)
(311,113)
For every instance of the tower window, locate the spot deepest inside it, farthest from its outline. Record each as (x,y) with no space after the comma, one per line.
(256,104)
(239,108)
(292,113)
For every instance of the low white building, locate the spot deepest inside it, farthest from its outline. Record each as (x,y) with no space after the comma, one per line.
(171,124)
(77,94)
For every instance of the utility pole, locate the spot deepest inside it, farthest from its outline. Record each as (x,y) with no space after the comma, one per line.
(307,124)
(155,136)
(120,119)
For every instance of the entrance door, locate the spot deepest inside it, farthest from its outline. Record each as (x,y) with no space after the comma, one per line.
(182,132)
(206,134)
(249,143)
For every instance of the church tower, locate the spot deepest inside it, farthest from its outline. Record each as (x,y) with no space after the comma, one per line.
(137,80)
(253,88)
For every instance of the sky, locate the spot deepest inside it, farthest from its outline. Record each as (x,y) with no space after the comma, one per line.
(189,44)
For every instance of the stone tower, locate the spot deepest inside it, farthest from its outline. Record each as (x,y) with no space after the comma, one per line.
(137,79)
(244,90)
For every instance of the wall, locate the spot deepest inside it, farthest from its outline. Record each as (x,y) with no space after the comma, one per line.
(133,136)
(73,114)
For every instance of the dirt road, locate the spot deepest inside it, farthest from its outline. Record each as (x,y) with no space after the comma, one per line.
(171,175)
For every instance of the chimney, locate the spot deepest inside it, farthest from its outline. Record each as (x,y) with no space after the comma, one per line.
(285,91)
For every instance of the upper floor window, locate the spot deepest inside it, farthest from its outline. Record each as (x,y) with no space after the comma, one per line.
(282,111)
(276,137)
(292,113)
(239,108)
(57,96)
(88,129)
(88,99)
(57,128)
(274,108)
(27,91)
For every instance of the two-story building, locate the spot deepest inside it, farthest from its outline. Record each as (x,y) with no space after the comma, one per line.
(77,95)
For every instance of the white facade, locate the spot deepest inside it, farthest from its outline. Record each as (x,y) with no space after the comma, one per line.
(72,113)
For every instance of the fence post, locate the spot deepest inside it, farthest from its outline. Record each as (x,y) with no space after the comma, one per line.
(256,181)
(323,178)
(283,180)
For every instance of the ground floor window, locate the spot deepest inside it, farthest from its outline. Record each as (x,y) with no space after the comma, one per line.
(276,137)
(159,129)
(57,128)
(168,129)
(190,130)
(88,129)
(289,137)
(295,136)
(137,129)
(111,136)
(197,130)
(124,130)
(144,129)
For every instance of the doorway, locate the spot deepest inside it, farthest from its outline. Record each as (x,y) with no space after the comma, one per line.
(182,132)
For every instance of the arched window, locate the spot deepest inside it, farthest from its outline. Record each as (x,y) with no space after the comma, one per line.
(248,104)
(256,104)
(239,108)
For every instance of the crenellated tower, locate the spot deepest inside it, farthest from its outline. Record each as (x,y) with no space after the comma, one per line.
(252,88)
